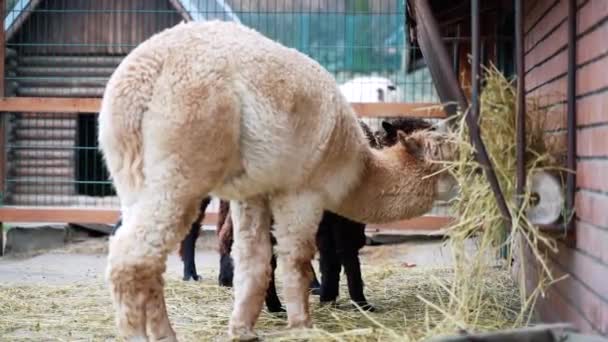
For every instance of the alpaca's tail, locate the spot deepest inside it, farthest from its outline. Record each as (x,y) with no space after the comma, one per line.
(125,101)
(121,146)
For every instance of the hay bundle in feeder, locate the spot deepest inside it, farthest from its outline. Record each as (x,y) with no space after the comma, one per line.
(478,216)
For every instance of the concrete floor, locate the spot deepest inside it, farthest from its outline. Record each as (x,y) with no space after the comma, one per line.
(86,261)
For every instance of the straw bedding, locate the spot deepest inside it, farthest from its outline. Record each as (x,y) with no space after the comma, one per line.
(200,311)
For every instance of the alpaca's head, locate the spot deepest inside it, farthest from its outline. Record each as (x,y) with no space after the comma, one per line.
(388,135)
(433,149)
(370,135)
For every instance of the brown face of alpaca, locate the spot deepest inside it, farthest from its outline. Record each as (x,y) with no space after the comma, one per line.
(433,148)
(402,181)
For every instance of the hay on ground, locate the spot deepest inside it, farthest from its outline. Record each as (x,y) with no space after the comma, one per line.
(200,311)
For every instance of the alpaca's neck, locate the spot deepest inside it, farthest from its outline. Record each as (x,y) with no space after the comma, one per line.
(388,191)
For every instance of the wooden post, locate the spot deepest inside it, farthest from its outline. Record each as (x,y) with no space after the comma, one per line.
(2,119)
(2,51)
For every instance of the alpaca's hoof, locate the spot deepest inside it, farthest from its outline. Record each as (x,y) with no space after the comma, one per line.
(171,338)
(242,334)
(365,306)
(304,323)
(224,282)
(329,303)
(276,309)
(189,277)
(315,291)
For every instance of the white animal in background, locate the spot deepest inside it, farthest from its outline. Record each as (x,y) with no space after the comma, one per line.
(371,89)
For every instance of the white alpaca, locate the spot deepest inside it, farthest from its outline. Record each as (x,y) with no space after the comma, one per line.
(216,108)
(370,89)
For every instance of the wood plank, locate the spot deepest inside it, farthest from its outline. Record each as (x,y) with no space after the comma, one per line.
(92,105)
(71,215)
(422,223)
(50,104)
(110,216)
(3,45)
(384,109)
(2,118)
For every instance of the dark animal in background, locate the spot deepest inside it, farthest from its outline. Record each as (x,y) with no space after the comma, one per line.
(225,241)
(339,239)
(387,136)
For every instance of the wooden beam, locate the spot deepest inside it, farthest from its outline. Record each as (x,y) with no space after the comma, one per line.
(181,10)
(24,14)
(3,44)
(425,223)
(92,105)
(384,109)
(50,105)
(110,216)
(2,118)
(70,215)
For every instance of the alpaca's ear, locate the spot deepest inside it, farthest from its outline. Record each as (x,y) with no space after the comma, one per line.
(388,127)
(412,145)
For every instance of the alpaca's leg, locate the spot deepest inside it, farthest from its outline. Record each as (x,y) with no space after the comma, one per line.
(350,238)
(226,270)
(296,221)
(225,242)
(273,303)
(137,258)
(329,263)
(117,225)
(187,248)
(188,245)
(352,268)
(252,254)
(315,286)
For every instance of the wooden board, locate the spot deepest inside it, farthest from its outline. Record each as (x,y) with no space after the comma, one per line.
(399,109)
(110,216)
(69,215)
(92,105)
(50,105)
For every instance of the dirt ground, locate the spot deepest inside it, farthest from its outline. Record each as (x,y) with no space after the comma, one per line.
(86,261)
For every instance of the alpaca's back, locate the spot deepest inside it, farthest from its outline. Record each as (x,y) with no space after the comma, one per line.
(242,104)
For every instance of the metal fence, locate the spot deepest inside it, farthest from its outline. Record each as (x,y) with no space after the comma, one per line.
(69,48)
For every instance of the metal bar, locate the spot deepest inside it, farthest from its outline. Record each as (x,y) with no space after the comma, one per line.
(521,101)
(571,119)
(539,333)
(472,118)
(437,59)
(2,119)
(456,51)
